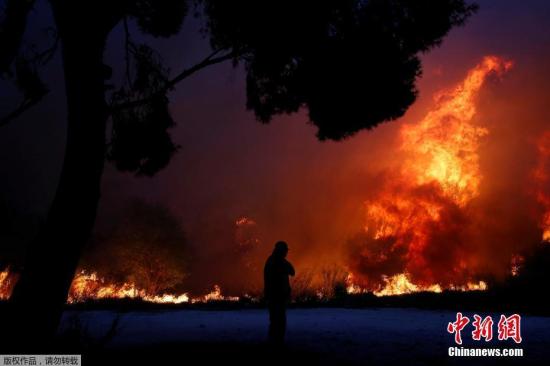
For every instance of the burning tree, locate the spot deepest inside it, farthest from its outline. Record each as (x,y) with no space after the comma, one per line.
(147,248)
(352,64)
(415,237)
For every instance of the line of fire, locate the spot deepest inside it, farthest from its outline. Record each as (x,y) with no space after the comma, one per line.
(419,232)
(274,182)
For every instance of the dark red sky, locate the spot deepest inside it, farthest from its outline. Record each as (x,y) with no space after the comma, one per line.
(294,186)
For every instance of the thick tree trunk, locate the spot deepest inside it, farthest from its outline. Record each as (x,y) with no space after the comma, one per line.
(37,302)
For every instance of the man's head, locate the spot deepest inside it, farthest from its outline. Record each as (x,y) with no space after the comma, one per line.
(281,249)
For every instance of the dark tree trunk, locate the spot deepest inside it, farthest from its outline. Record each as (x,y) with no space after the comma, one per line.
(37,302)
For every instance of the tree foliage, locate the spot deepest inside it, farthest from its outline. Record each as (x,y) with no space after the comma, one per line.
(352,64)
(140,141)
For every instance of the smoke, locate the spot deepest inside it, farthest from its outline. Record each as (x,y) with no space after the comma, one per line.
(467,200)
(313,194)
(317,196)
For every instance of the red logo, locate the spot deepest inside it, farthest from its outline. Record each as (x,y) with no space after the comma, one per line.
(483,329)
(508,328)
(457,327)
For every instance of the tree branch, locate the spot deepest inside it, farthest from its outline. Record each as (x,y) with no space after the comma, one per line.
(24,106)
(42,58)
(209,60)
(12,29)
(127,45)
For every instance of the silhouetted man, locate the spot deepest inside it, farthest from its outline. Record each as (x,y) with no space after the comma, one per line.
(277,291)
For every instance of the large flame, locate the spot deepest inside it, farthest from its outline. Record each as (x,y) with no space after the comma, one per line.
(542,182)
(428,194)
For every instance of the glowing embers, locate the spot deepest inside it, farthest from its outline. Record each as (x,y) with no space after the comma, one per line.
(215,295)
(89,286)
(400,284)
(7,282)
(541,179)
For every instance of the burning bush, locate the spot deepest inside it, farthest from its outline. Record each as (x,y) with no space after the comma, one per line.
(324,283)
(302,286)
(333,281)
(147,247)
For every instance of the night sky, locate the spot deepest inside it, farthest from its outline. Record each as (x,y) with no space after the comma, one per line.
(294,186)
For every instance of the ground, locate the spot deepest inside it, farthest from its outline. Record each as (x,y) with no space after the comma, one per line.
(314,336)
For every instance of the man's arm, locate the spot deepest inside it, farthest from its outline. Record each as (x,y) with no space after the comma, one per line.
(290,269)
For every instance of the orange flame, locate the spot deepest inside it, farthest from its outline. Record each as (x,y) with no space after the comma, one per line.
(401,284)
(7,282)
(90,286)
(542,180)
(439,175)
(215,295)
(87,286)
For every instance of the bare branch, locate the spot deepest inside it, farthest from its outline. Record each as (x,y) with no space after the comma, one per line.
(209,60)
(24,106)
(42,58)
(12,29)
(127,45)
